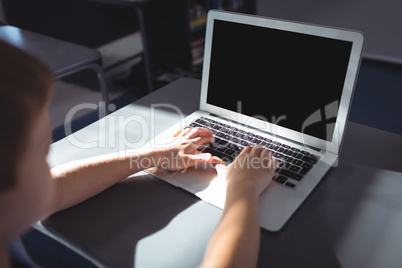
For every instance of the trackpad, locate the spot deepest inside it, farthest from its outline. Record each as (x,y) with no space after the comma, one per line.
(203,181)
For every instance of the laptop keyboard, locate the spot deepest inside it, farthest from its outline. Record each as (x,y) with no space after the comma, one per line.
(230,141)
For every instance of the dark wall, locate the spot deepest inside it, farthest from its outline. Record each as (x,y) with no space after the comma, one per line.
(79,21)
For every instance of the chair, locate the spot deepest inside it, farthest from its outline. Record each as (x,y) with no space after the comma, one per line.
(63,58)
(137,5)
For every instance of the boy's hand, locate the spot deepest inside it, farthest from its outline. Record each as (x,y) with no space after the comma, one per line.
(186,153)
(254,166)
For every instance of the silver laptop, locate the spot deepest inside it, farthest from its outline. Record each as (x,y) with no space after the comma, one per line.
(285,85)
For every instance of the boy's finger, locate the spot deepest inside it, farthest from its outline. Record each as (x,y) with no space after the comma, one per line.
(256,150)
(198,159)
(182,132)
(217,161)
(193,132)
(245,150)
(205,158)
(202,140)
(199,131)
(273,163)
(266,154)
(186,131)
(221,170)
(177,134)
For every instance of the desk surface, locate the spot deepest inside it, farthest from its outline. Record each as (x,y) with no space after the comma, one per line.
(352,218)
(60,56)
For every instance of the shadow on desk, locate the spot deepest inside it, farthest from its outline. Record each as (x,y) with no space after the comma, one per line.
(120,217)
(346,222)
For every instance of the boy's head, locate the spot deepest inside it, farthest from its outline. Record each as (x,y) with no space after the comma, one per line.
(25,89)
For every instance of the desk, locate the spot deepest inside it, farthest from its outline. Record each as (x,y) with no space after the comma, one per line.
(63,58)
(352,218)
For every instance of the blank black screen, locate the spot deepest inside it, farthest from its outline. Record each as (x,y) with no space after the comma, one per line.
(274,73)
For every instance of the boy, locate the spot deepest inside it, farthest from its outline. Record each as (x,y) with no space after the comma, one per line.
(30,191)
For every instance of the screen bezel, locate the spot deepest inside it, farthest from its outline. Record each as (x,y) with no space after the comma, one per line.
(357,40)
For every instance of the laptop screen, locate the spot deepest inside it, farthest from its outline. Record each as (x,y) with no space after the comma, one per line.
(290,79)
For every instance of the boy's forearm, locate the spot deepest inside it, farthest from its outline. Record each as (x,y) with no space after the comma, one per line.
(235,242)
(79,180)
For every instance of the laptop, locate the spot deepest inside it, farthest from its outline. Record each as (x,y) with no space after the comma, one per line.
(285,85)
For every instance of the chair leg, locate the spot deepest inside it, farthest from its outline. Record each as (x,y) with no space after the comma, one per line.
(147,64)
(103,87)
(102,84)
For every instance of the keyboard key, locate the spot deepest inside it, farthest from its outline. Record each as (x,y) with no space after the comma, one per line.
(311,160)
(225,158)
(216,127)
(307,165)
(291,185)
(218,144)
(237,134)
(288,152)
(297,155)
(297,162)
(249,138)
(288,159)
(315,156)
(235,147)
(290,174)
(305,168)
(281,179)
(231,145)
(230,152)
(279,149)
(194,125)
(294,168)
(255,140)
(282,165)
(202,147)
(200,121)
(221,149)
(277,155)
